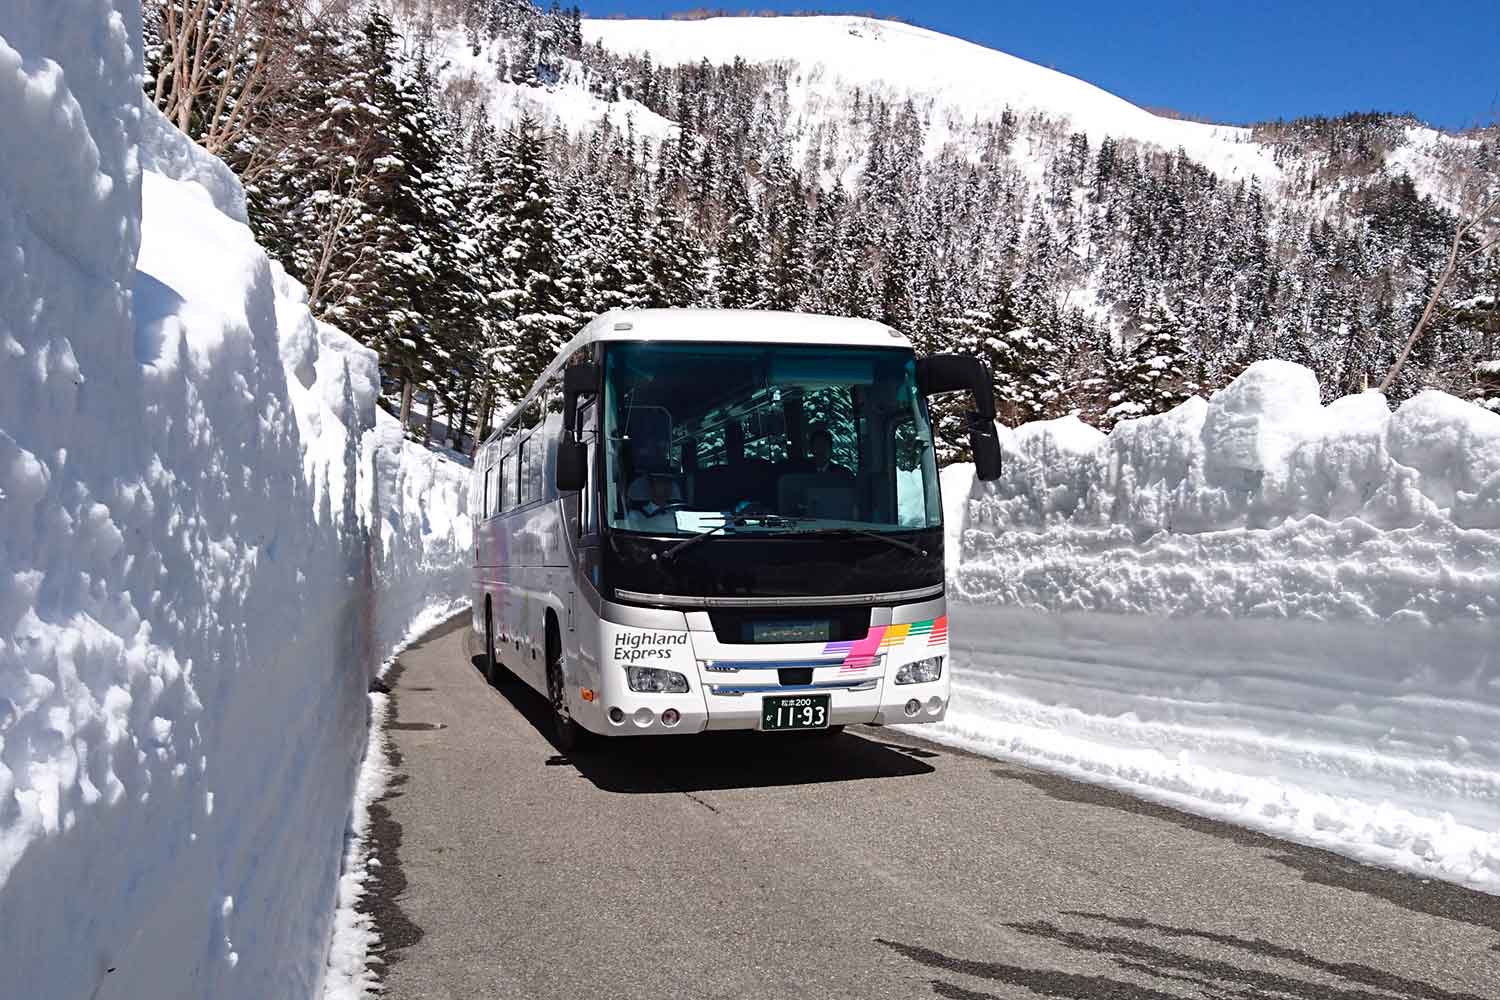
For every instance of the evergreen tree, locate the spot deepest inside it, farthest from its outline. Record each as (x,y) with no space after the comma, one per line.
(534,323)
(1150,378)
(741,282)
(1023,364)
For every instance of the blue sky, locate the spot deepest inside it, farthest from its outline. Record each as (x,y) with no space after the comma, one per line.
(1226,60)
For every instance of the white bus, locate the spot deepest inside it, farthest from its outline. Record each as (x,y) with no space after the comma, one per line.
(702,520)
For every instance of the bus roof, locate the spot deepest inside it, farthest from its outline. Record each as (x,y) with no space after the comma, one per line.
(735,326)
(720,326)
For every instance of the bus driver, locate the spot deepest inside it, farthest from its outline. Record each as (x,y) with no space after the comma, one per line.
(654,489)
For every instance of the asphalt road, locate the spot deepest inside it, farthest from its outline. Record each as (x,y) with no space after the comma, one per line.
(867,865)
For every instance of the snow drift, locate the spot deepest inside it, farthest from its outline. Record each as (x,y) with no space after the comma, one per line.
(1255,607)
(190,482)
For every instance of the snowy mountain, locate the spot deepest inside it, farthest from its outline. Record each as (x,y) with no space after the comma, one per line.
(956,85)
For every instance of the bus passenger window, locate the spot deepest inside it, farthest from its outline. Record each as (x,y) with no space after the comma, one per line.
(538,444)
(588,434)
(487,507)
(523,475)
(507,485)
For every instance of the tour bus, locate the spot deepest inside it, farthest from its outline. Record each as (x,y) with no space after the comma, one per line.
(706,520)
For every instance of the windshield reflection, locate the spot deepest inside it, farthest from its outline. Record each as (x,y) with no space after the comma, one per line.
(759,438)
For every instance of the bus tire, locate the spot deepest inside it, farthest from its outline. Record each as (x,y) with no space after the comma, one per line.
(567,734)
(494,673)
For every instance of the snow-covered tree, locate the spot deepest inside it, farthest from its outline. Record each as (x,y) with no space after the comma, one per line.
(1151,377)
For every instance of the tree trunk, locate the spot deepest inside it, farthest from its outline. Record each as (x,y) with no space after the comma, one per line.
(1432,303)
(463,417)
(481,427)
(405,402)
(1492,342)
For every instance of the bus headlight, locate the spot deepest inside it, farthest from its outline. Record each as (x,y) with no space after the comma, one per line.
(653,680)
(920,672)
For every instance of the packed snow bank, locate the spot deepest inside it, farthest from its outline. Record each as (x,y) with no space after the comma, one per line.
(1261,503)
(189,470)
(420,502)
(1256,607)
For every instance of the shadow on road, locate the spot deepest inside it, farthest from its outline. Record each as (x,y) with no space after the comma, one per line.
(1242,967)
(711,761)
(1429,896)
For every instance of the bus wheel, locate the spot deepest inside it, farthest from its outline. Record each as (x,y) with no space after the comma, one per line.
(493,671)
(567,734)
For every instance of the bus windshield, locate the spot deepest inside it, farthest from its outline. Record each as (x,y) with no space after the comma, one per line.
(766,438)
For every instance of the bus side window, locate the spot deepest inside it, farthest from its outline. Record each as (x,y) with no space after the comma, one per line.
(538,442)
(588,523)
(543,484)
(487,508)
(505,498)
(523,473)
(911,492)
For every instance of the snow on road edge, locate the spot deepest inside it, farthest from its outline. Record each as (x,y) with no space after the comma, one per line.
(354,938)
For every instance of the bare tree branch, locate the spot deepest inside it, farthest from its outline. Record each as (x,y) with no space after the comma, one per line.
(1481,216)
(227,67)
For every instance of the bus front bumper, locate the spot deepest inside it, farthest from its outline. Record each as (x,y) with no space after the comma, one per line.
(731,706)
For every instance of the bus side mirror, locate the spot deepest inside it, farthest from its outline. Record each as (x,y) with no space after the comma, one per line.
(572,469)
(572,465)
(960,373)
(984,442)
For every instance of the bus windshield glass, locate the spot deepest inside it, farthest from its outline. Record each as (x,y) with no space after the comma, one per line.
(766,438)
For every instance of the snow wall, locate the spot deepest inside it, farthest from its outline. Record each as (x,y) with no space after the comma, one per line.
(207,545)
(1256,608)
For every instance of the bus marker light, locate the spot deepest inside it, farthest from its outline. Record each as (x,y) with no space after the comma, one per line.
(670,717)
(586,693)
(913,707)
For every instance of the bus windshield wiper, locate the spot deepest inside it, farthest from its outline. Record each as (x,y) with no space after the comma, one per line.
(899,543)
(735,520)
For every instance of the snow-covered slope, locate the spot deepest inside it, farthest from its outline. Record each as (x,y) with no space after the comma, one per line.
(188,619)
(836,54)
(566,104)
(957,85)
(1253,607)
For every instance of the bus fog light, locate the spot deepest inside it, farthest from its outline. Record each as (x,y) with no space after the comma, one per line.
(644,717)
(921,672)
(616,716)
(653,680)
(913,707)
(934,705)
(670,717)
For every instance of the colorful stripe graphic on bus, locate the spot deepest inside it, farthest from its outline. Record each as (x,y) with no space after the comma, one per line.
(862,653)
